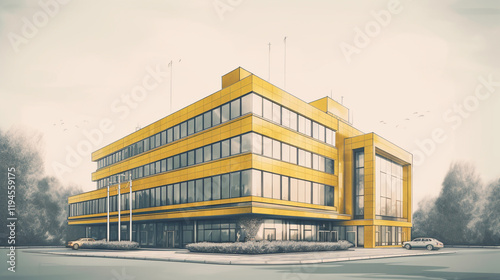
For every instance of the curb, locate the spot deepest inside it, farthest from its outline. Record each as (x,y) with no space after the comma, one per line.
(246,262)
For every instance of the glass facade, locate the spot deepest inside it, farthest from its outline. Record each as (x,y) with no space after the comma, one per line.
(235,184)
(249,142)
(388,188)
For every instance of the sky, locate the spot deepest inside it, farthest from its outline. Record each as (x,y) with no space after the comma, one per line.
(422,74)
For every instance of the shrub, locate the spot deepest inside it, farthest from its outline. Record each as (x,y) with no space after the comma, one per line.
(267,247)
(111,245)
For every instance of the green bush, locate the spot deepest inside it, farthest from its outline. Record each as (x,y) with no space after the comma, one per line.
(267,247)
(111,245)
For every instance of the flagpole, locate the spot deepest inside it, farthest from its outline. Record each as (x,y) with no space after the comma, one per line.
(269,63)
(284,68)
(118,197)
(130,204)
(171,64)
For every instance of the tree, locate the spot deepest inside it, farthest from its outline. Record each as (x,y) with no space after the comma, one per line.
(41,201)
(465,212)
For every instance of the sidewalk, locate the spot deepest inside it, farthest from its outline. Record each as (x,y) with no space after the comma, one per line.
(182,255)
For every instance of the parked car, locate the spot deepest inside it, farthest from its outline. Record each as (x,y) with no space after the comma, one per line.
(423,242)
(78,243)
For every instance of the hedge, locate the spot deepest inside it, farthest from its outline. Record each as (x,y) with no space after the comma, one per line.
(111,245)
(267,247)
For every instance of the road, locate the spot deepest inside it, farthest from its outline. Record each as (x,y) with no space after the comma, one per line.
(465,264)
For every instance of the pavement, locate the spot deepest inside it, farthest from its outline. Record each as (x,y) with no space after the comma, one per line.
(183,255)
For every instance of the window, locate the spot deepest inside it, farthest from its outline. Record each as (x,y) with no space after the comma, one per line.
(190,191)
(235,145)
(308,127)
(177,161)
(170,136)
(302,124)
(190,126)
(225,113)
(216,187)
(268,109)
(284,188)
(199,190)
(225,148)
(276,113)
(170,164)
(257,105)
(293,155)
(308,157)
(267,147)
(267,184)
(276,186)
(285,152)
(163,165)
(315,130)
(276,150)
(329,166)
(235,108)
(184,198)
(176,132)
(183,129)
(294,189)
(207,153)
(329,196)
(225,186)
(246,104)
(216,150)
(285,117)
(246,143)
(207,120)
(256,183)
(216,116)
(184,160)
(199,155)
(246,182)
(190,158)
(359,185)
(235,184)
(207,189)
(256,143)
(198,122)
(177,193)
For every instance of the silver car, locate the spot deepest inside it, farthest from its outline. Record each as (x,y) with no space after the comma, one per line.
(423,242)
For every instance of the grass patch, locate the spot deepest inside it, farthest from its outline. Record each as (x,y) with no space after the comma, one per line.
(267,247)
(111,245)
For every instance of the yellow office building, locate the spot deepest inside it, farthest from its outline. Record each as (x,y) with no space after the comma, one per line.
(250,161)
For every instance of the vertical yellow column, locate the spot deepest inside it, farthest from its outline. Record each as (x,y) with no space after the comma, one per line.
(369,236)
(369,177)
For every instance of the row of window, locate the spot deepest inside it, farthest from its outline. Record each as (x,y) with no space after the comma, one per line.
(250,103)
(249,142)
(236,184)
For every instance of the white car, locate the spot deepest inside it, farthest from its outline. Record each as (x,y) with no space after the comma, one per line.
(423,242)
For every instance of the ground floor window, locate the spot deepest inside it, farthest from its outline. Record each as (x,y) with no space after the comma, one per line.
(177,234)
(388,235)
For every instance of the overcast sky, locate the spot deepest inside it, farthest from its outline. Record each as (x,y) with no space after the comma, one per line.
(408,70)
